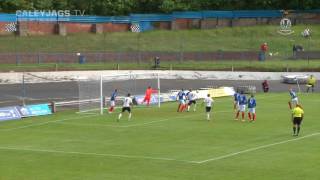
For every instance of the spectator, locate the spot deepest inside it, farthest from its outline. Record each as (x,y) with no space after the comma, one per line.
(156,62)
(306,33)
(295,49)
(311,83)
(265,86)
(263,51)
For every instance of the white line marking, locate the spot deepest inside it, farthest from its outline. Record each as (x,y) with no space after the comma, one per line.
(95,154)
(44,123)
(256,148)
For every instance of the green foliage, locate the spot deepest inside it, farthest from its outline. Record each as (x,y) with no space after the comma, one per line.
(125,7)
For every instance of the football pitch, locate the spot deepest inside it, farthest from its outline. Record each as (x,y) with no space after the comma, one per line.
(160,143)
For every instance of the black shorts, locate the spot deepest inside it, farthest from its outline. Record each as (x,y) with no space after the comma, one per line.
(297,120)
(191,102)
(126,109)
(208,109)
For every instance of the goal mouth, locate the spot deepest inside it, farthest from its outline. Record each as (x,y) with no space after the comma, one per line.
(95,94)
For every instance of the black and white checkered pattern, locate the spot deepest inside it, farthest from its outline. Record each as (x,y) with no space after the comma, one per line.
(11,27)
(135,27)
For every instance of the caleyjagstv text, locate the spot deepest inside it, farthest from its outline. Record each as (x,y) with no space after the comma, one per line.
(47,13)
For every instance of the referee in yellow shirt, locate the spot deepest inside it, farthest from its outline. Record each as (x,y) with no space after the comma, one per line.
(297,117)
(311,83)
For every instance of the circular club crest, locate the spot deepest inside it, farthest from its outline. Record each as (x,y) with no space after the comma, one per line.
(285,27)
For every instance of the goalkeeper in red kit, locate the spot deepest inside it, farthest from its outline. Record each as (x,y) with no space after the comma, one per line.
(148,95)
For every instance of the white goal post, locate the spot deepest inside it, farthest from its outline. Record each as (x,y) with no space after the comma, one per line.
(95,93)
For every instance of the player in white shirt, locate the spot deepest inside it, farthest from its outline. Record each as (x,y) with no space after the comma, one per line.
(209,102)
(127,102)
(191,100)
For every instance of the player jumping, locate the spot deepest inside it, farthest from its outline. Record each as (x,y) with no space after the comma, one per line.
(127,103)
(191,100)
(242,106)
(209,101)
(113,100)
(294,98)
(148,95)
(182,100)
(252,108)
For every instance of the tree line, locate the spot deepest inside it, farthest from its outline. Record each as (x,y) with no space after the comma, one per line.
(125,7)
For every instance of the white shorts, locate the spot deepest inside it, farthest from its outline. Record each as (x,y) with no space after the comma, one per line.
(252,110)
(295,100)
(112,103)
(182,101)
(242,108)
(237,104)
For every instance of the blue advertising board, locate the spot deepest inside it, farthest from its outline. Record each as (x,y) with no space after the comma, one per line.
(34,110)
(9,113)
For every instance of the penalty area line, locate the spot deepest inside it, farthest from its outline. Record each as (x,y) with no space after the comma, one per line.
(256,148)
(95,154)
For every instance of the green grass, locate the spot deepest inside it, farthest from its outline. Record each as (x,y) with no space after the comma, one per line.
(225,39)
(273,65)
(163,144)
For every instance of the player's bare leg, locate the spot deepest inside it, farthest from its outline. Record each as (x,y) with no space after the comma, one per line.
(119,117)
(242,114)
(249,115)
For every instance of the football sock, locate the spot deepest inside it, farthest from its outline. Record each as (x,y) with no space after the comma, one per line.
(185,107)
(249,115)
(179,108)
(237,116)
(294,130)
(120,115)
(208,116)
(129,116)
(242,115)
(254,116)
(298,130)
(289,103)
(188,108)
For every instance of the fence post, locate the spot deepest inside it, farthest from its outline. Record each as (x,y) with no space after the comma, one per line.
(17,59)
(39,59)
(53,107)
(138,46)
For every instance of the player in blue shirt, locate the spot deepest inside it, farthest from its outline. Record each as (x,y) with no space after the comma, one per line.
(181,96)
(252,108)
(242,106)
(294,98)
(113,100)
(236,97)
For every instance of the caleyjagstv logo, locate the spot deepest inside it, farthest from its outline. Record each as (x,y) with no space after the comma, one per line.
(285,27)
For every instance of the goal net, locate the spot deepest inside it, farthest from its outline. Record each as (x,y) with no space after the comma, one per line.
(94,94)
